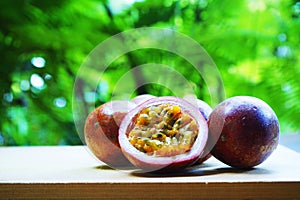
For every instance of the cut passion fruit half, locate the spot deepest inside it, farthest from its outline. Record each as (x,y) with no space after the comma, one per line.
(163,134)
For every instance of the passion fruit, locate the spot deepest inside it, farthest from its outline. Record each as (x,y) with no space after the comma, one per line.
(102,129)
(163,134)
(246,131)
(205,110)
(142,98)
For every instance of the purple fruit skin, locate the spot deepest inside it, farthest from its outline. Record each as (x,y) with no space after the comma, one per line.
(101,132)
(246,130)
(205,110)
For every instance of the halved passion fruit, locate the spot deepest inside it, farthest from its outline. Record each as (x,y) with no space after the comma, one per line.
(163,134)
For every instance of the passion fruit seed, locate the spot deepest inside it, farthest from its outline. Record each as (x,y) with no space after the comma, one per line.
(163,130)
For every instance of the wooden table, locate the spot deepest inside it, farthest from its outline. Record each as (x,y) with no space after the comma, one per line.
(72,172)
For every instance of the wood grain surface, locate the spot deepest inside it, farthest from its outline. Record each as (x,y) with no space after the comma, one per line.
(63,172)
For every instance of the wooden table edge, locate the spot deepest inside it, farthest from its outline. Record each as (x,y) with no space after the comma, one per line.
(211,190)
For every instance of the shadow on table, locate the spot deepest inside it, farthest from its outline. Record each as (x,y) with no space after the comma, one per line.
(197,170)
(203,170)
(103,167)
(106,167)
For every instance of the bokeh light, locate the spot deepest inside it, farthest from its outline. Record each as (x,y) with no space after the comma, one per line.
(60,102)
(8,97)
(38,62)
(37,81)
(24,85)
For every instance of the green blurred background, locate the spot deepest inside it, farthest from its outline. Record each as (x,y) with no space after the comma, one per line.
(254,43)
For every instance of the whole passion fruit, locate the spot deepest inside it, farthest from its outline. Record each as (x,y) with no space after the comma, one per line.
(102,129)
(246,130)
(205,110)
(142,98)
(163,134)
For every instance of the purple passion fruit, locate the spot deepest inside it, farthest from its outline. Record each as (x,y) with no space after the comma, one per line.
(163,134)
(246,130)
(142,98)
(205,110)
(102,129)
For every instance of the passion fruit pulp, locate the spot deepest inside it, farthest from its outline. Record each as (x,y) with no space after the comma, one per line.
(246,131)
(102,129)
(163,134)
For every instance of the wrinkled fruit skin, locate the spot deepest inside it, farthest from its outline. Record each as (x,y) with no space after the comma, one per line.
(205,110)
(101,132)
(163,164)
(246,130)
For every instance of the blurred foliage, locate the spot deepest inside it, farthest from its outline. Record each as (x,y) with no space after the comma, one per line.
(254,43)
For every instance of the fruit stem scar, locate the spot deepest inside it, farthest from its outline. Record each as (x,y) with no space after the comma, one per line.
(223,138)
(96,124)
